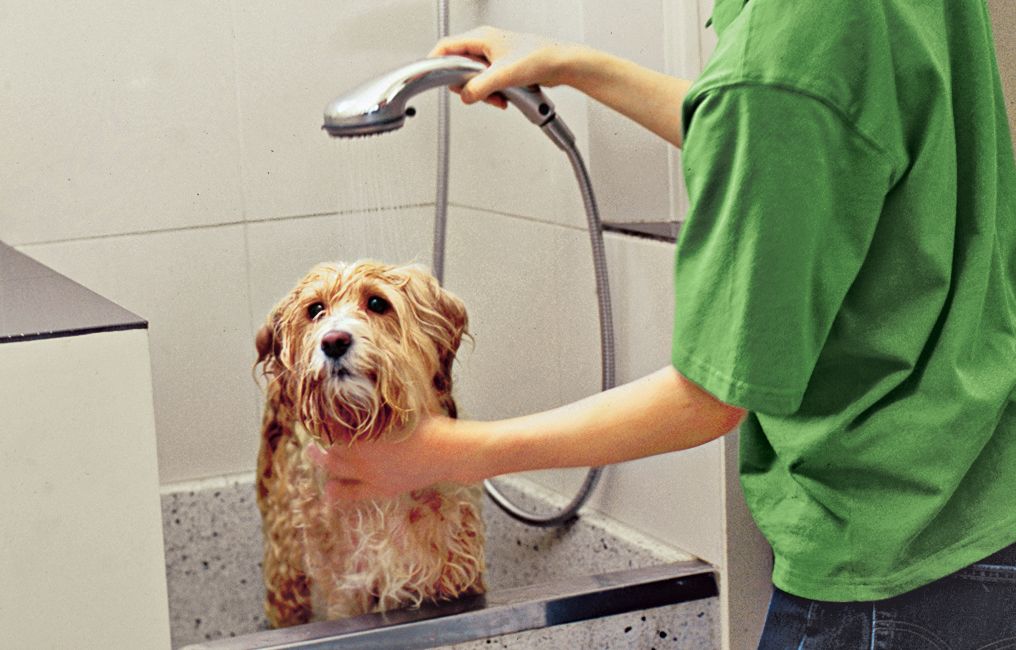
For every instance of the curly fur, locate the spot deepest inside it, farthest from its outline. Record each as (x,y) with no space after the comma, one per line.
(325,560)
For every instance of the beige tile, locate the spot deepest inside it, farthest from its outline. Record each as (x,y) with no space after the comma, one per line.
(532,316)
(629,165)
(676,498)
(684,35)
(191,286)
(499,160)
(577,316)
(554,19)
(642,292)
(578,350)
(640,276)
(658,495)
(708,36)
(502,162)
(686,41)
(466,14)
(498,266)
(290,63)
(635,35)
(630,168)
(116,119)
(530,290)
(281,252)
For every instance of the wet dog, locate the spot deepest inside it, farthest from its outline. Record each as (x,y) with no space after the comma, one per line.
(353,353)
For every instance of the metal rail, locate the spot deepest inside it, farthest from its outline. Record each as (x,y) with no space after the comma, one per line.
(507,611)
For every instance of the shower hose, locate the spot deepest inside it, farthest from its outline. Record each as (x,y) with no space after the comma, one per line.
(570,511)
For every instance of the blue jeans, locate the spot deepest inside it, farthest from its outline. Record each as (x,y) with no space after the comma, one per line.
(972,609)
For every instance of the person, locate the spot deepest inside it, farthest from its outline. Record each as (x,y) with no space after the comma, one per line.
(845,291)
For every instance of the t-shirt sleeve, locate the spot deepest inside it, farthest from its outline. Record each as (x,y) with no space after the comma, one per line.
(785,197)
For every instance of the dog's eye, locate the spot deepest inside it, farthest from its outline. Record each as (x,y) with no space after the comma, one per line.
(378,305)
(314,310)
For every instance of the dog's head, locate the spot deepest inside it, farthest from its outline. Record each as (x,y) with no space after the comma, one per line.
(363,349)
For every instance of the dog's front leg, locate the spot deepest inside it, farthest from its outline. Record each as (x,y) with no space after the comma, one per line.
(287,587)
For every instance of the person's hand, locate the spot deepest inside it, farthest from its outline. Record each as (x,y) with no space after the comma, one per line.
(382,468)
(515,60)
(650,98)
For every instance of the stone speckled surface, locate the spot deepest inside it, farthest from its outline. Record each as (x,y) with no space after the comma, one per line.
(212,533)
(213,566)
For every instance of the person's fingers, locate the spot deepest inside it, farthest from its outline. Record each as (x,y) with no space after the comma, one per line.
(475,44)
(343,490)
(319,457)
(472,49)
(491,46)
(340,490)
(495,99)
(447,47)
(498,100)
(338,463)
(332,492)
(484,86)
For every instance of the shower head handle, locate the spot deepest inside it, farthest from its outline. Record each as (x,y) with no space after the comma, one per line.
(380,104)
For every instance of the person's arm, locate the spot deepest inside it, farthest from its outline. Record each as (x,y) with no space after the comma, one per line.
(650,98)
(659,413)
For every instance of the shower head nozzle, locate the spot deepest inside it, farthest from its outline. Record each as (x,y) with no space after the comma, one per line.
(379,105)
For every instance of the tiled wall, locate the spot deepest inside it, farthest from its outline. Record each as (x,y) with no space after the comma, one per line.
(169,156)
(536,346)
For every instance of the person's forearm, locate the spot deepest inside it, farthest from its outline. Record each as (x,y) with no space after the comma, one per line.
(659,413)
(650,98)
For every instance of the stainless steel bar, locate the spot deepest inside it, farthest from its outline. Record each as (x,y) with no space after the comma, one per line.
(568,600)
(660,230)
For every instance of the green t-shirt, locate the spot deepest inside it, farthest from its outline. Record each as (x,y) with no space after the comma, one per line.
(847,274)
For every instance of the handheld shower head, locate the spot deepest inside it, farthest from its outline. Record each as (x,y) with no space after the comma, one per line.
(380,104)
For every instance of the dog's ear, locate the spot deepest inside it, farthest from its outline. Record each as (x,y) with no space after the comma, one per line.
(448,322)
(439,311)
(454,311)
(265,342)
(268,345)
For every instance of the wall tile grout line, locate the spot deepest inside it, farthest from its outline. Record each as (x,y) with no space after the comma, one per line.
(211,226)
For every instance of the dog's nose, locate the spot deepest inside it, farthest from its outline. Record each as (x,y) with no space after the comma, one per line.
(335,343)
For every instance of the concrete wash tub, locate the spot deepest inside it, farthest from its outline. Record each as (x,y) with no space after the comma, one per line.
(213,554)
